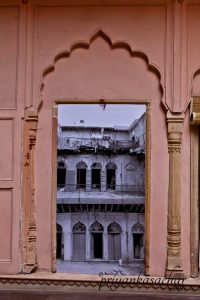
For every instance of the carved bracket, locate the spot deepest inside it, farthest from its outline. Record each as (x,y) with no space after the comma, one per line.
(174,260)
(28,206)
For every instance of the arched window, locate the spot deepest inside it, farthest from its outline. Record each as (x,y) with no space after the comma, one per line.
(111,176)
(138,236)
(114,241)
(96,247)
(81,175)
(79,241)
(59,242)
(96,175)
(61,173)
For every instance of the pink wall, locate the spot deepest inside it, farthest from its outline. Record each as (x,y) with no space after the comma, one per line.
(164,41)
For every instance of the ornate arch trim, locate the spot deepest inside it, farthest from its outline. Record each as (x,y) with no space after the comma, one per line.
(96,227)
(114,228)
(86,45)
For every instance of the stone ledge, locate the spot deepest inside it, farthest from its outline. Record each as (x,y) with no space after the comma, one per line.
(93,283)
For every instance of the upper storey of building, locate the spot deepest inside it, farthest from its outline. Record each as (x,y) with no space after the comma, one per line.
(104,140)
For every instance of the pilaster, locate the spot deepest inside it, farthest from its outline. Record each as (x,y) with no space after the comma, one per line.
(29,222)
(174,260)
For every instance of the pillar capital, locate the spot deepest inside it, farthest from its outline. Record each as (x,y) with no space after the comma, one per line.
(175,129)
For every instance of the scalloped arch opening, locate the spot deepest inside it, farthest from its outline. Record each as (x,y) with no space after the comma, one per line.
(100,41)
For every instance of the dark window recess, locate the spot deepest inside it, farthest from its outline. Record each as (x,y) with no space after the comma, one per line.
(110,179)
(58,241)
(98,245)
(96,178)
(138,243)
(81,178)
(61,176)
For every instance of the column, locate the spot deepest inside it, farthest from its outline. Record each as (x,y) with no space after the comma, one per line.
(103,180)
(125,247)
(105,246)
(68,237)
(88,256)
(174,259)
(88,180)
(67,245)
(29,256)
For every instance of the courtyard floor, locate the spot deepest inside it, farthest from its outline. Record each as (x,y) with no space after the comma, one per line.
(102,268)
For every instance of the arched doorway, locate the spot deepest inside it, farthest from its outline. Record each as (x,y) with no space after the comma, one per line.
(114,241)
(96,230)
(79,241)
(138,241)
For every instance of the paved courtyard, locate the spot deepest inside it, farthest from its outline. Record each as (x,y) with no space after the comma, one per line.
(99,267)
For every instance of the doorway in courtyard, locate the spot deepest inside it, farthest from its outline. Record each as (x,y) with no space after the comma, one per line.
(101,158)
(97,246)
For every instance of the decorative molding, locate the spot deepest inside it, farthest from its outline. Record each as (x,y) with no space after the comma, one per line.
(114,228)
(29,222)
(137,227)
(174,260)
(131,166)
(114,45)
(101,284)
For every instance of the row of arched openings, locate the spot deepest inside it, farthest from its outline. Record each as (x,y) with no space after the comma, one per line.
(81,175)
(96,241)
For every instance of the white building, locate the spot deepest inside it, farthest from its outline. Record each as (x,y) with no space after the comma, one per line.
(100,195)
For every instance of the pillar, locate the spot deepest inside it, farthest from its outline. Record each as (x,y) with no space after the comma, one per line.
(103,180)
(174,259)
(88,180)
(29,256)
(67,245)
(88,256)
(125,246)
(105,246)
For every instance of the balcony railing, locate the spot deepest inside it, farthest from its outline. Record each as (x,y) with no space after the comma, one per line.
(73,143)
(101,188)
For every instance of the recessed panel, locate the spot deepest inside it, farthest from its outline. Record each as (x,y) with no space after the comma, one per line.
(9,17)
(6,149)
(5,224)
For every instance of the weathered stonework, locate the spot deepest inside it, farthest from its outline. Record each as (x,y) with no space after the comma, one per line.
(28,206)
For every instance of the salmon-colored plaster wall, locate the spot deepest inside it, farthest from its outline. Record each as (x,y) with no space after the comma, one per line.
(142,50)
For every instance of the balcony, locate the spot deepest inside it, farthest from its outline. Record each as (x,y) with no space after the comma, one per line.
(86,194)
(103,145)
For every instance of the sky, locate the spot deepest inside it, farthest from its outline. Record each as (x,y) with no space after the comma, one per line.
(95,115)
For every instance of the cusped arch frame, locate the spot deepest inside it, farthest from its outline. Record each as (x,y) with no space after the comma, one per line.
(150,67)
(118,44)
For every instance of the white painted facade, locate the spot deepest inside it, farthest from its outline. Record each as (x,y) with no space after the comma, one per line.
(120,206)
